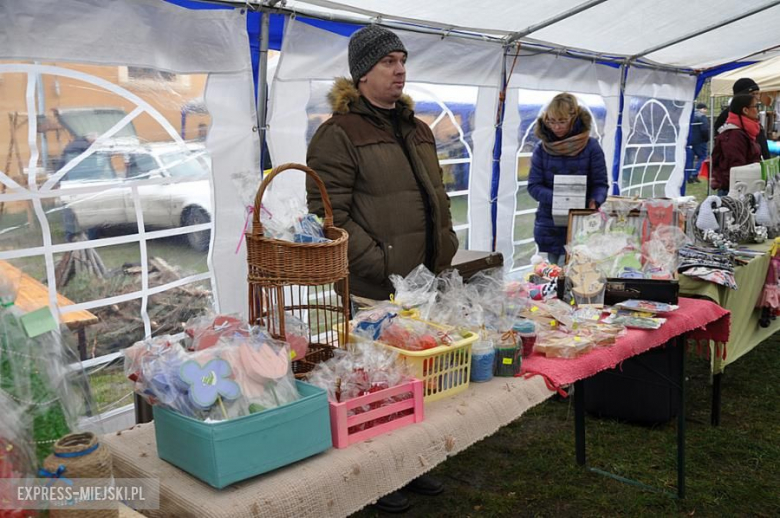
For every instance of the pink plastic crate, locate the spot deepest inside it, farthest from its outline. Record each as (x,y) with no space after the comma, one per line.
(340,422)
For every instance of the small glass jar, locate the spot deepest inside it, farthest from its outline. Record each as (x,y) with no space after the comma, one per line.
(526,330)
(482,360)
(507,361)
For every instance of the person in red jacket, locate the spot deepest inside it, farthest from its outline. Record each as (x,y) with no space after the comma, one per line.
(736,143)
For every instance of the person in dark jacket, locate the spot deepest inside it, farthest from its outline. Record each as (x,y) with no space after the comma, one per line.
(736,143)
(745,85)
(381,170)
(565,148)
(698,141)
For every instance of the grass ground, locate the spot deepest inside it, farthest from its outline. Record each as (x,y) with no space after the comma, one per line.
(528,468)
(699,190)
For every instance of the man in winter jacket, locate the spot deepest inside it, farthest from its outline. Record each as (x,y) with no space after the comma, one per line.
(698,140)
(381,170)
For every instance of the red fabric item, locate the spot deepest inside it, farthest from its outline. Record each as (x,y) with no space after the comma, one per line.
(700,319)
(752,127)
(704,170)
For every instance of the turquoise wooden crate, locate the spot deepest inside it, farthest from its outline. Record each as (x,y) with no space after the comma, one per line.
(227,452)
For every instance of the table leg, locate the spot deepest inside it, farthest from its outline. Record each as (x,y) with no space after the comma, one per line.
(715,412)
(143,410)
(82,334)
(681,421)
(579,421)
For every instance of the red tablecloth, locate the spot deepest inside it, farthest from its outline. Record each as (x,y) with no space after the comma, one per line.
(700,319)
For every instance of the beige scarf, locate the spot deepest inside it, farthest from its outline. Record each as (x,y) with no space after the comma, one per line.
(571,146)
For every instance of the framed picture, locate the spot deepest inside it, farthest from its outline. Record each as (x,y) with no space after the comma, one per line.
(581,219)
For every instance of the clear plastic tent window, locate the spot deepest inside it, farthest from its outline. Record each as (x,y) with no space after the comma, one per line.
(110,144)
(110,203)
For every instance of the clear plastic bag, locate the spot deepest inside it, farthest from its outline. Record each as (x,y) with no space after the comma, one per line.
(46,377)
(206,330)
(9,286)
(588,280)
(263,371)
(559,344)
(416,289)
(153,366)
(612,252)
(550,315)
(634,320)
(288,219)
(296,333)
(601,334)
(411,335)
(367,368)
(661,252)
(16,457)
(259,366)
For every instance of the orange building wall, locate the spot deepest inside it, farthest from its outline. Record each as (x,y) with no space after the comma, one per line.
(63,92)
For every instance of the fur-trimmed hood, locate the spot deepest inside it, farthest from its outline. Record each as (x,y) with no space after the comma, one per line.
(544,133)
(344,95)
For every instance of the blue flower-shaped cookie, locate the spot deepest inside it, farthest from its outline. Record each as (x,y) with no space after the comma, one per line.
(209,382)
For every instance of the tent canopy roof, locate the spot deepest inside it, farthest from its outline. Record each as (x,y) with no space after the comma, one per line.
(696,34)
(765,73)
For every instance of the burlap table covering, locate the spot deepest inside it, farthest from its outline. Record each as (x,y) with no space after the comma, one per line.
(336,482)
(126,512)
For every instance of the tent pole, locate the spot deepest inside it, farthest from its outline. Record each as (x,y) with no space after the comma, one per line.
(262,81)
(619,131)
(712,138)
(496,170)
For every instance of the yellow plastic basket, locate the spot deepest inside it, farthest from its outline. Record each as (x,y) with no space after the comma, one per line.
(444,370)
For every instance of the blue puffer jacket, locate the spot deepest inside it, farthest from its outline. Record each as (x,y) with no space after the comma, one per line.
(544,167)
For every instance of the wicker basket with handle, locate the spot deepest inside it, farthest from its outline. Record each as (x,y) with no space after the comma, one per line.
(300,278)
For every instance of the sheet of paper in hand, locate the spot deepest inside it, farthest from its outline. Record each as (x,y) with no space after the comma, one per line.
(569,192)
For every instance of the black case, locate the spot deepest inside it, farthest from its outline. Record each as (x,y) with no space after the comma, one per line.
(619,290)
(469,262)
(643,390)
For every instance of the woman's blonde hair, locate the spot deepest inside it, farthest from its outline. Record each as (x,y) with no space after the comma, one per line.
(563,106)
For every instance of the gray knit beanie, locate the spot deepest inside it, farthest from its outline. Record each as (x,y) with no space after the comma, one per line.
(367,46)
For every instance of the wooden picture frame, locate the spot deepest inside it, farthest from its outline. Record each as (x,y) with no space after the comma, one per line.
(577,216)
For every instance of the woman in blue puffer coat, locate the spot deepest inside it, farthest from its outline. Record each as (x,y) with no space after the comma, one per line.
(565,148)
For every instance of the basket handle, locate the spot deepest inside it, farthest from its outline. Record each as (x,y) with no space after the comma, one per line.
(257,226)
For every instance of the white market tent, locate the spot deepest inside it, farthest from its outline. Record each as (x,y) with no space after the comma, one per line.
(484,71)
(765,73)
(689,35)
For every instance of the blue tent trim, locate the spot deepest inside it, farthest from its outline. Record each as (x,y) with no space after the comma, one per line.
(717,71)
(619,135)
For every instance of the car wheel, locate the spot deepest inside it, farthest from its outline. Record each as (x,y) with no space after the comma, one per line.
(197,216)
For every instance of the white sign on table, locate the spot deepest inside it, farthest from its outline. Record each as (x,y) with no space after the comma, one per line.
(569,192)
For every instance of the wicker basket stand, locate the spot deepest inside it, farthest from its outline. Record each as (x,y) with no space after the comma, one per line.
(301,279)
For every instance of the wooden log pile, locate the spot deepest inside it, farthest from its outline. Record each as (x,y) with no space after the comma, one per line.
(121,325)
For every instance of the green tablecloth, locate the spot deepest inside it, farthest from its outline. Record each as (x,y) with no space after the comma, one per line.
(745,331)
